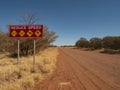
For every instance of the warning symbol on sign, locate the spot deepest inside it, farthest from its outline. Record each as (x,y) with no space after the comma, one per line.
(37,33)
(21,33)
(14,33)
(29,33)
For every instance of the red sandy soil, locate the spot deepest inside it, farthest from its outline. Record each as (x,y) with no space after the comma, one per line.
(83,70)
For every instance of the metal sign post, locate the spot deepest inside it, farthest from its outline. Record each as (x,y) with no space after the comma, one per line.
(34,52)
(18,51)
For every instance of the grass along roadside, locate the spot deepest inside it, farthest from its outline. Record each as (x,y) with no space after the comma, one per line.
(25,75)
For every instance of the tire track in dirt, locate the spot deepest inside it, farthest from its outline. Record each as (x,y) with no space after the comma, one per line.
(74,78)
(90,81)
(73,74)
(70,77)
(107,72)
(90,85)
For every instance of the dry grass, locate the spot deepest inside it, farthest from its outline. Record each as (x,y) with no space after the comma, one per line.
(24,75)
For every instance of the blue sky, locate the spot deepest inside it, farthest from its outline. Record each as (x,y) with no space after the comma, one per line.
(70,19)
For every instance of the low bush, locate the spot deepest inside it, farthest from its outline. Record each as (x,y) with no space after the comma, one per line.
(110,51)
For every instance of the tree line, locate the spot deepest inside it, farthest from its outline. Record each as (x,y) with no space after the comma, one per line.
(107,42)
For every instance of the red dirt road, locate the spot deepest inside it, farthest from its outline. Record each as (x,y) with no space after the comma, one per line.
(83,70)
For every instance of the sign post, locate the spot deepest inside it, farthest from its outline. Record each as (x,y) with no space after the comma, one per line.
(26,31)
(34,52)
(18,51)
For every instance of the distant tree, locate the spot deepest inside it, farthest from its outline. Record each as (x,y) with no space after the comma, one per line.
(96,43)
(110,42)
(117,43)
(77,44)
(83,43)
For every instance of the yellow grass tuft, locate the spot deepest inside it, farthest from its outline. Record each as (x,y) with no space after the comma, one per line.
(24,75)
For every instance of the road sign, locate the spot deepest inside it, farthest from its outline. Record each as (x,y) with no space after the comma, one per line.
(26,31)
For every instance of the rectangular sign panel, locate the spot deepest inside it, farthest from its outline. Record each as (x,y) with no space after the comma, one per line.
(26,31)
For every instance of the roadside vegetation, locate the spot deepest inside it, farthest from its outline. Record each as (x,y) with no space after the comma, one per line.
(108,44)
(24,75)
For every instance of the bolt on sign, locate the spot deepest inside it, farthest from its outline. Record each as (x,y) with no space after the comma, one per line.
(26,31)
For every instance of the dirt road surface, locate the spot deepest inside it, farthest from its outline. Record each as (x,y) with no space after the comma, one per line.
(83,70)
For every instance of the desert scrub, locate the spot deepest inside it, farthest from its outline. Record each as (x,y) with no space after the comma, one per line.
(24,75)
(110,51)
